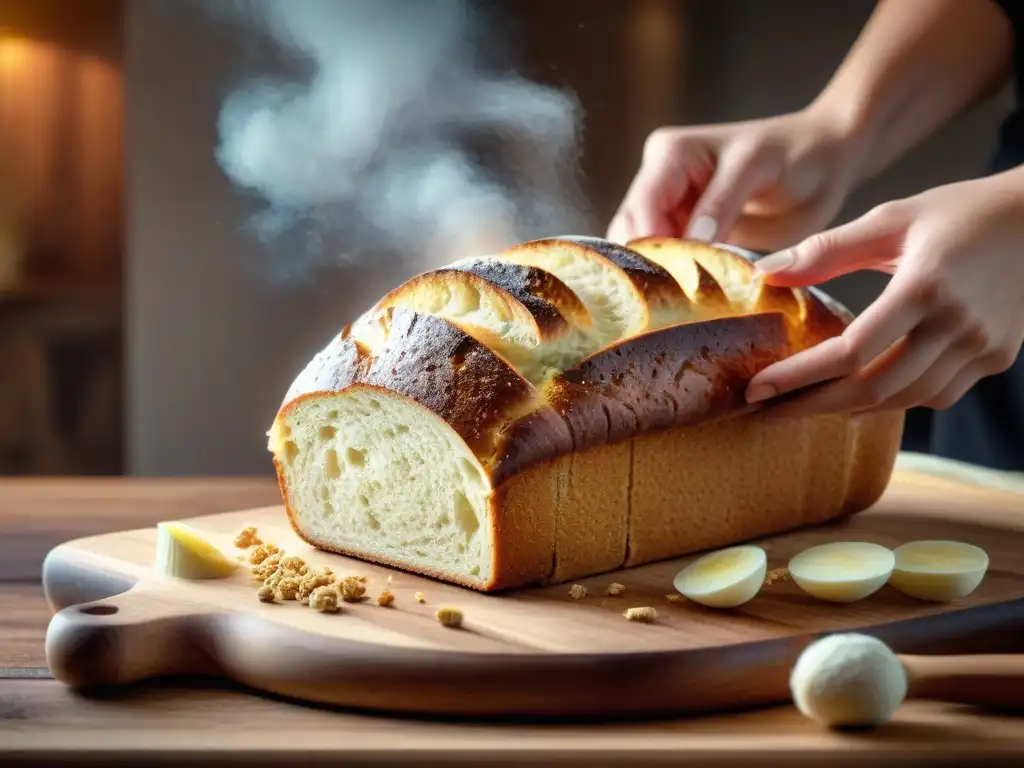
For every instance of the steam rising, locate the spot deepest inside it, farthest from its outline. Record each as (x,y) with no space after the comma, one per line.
(403,141)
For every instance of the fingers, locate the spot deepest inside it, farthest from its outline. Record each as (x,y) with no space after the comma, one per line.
(872,241)
(958,386)
(658,188)
(917,364)
(892,316)
(966,376)
(741,173)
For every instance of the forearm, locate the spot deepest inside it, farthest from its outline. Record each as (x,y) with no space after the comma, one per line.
(917,64)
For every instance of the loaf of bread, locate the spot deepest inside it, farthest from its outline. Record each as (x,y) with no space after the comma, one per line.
(566,408)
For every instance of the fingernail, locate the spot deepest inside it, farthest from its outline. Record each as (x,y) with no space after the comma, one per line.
(703,228)
(760,392)
(776,262)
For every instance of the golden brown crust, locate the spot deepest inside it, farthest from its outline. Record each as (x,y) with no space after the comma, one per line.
(539,291)
(679,375)
(432,362)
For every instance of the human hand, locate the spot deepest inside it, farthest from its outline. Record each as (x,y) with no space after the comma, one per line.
(952,314)
(761,184)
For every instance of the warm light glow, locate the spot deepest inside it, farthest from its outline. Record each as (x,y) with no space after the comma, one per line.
(14,51)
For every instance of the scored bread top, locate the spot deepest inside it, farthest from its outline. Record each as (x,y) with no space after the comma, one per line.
(561,344)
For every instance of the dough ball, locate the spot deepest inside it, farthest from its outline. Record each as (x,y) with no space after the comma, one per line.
(848,680)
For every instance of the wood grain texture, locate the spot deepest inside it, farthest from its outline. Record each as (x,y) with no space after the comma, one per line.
(24,615)
(36,515)
(217,724)
(536,652)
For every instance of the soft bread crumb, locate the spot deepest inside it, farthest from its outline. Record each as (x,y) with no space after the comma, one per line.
(420,597)
(776,574)
(577,591)
(645,615)
(247,537)
(615,589)
(449,617)
(266,594)
(324,599)
(386,598)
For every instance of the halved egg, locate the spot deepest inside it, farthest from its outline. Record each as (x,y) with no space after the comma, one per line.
(843,571)
(940,571)
(724,579)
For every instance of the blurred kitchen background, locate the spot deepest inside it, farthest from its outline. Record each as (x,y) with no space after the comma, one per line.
(145,330)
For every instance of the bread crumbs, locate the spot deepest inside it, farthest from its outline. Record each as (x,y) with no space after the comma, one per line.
(247,537)
(645,615)
(266,594)
(353,589)
(776,574)
(386,598)
(614,589)
(577,591)
(675,597)
(324,599)
(449,617)
(261,553)
(420,597)
(288,588)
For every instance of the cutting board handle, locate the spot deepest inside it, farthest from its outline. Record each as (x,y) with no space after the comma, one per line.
(124,639)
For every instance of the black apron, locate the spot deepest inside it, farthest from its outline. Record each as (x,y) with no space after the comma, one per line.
(986,426)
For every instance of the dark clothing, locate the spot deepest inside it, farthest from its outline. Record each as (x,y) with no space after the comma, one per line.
(987,425)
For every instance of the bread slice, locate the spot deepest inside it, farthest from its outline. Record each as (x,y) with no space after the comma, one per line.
(566,408)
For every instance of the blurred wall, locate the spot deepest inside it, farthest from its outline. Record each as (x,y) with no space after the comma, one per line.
(213,343)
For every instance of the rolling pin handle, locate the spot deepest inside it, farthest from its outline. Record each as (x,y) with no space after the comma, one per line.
(993,680)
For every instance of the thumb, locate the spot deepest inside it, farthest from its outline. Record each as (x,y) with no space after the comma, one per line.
(740,175)
(863,243)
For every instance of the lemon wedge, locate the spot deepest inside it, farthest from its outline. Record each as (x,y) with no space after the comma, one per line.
(940,571)
(183,553)
(724,579)
(844,571)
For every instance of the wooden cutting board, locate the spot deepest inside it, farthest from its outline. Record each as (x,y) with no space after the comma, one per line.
(536,653)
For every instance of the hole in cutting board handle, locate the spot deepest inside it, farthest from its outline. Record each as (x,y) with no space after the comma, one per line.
(99,610)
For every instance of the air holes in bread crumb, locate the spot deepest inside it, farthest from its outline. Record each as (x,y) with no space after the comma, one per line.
(332,415)
(291,450)
(402,429)
(355,457)
(363,501)
(372,521)
(332,467)
(472,474)
(465,517)
(327,433)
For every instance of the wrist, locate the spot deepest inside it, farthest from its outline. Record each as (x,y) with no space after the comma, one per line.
(852,125)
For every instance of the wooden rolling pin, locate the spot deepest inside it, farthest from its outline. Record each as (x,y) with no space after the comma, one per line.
(991,680)
(851,679)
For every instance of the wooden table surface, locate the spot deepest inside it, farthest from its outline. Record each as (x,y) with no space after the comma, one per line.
(41,721)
